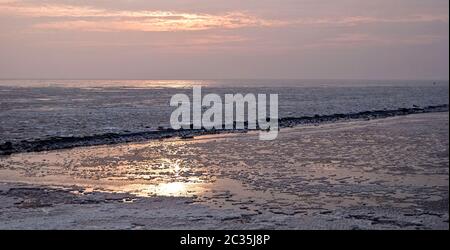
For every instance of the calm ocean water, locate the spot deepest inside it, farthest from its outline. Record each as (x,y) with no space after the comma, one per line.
(31,109)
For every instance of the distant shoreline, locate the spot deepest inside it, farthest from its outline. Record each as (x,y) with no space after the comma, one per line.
(55,143)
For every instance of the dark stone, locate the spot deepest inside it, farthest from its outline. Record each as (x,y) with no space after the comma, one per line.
(6,146)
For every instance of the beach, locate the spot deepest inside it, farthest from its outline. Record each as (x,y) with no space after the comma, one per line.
(389,173)
(188,123)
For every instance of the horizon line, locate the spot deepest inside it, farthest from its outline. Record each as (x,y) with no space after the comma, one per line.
(220,79)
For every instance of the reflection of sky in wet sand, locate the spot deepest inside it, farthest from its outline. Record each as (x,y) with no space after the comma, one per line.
(106,169)
(399,161)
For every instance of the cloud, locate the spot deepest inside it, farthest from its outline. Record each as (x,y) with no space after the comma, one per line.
(168,44)
(361,20)
(365,39)
(89,18)
(167,21)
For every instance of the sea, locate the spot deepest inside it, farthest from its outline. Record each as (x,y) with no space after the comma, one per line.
(38,109)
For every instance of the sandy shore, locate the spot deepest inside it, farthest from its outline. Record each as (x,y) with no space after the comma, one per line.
(389,173)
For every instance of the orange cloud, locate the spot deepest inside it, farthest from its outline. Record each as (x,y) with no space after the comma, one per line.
(114,20)
(167,22)
(88,18)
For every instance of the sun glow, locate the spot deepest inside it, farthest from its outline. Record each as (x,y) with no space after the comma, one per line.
(172,189)
(168,22)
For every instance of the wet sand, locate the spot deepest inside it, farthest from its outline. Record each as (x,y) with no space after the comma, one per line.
(387,173)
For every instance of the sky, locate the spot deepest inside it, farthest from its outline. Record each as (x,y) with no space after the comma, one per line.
(224,39)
